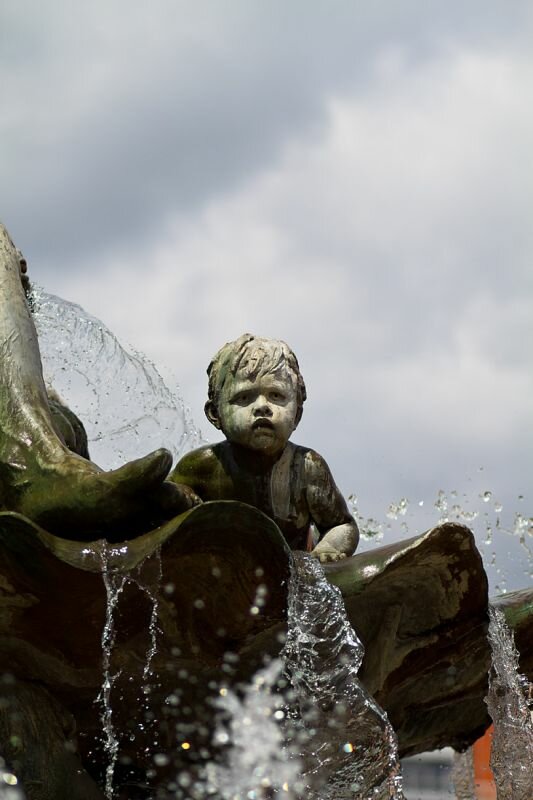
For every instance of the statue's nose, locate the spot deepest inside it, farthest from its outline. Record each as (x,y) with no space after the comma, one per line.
(262,408)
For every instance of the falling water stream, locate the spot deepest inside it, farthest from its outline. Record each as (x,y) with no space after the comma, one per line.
(114,585)
(510,704)
(349,747)
(115,582)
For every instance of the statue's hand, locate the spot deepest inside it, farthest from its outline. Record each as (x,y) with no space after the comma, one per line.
(189,495)
(175,498)
(327,553)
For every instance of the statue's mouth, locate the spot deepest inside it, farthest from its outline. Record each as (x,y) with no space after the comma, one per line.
(262,423)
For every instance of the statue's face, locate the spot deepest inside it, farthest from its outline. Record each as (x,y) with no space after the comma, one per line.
(259,414)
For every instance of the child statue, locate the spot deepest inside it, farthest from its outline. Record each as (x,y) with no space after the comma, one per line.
(255,397)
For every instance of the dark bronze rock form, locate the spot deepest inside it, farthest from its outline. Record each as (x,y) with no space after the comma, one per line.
(420,607)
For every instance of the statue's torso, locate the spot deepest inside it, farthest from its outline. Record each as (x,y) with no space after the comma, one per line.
(225,472)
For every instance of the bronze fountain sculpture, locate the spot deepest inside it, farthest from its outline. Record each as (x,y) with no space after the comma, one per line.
(197,547)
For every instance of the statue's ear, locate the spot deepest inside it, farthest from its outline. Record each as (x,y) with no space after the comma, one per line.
(211,412)
(298,417)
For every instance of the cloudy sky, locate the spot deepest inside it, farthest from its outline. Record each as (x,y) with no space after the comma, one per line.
(355,178)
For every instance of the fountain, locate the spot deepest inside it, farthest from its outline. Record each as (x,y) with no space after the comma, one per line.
(120,650)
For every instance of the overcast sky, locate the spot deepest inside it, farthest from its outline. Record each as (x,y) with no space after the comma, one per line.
(355,178)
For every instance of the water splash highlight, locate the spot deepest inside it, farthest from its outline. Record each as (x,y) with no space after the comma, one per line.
(258,760)
(345,740)
(125,405)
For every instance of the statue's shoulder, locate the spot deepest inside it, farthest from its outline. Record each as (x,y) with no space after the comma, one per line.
(312,469)
(310,461)
(202,469)
(199,463)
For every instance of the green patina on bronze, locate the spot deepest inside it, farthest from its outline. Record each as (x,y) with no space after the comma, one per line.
(40,476)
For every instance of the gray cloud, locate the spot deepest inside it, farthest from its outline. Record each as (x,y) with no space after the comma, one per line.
(119,116)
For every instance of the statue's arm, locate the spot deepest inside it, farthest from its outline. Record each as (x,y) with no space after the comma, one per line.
(329,511)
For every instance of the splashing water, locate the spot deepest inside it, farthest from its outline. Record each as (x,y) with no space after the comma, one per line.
(510,703)
(122,400)
(314,733)
(258,759)
(481,511)
(347,744)
(399,509)
(371,530)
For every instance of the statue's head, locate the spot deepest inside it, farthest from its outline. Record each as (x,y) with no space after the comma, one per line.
(256,393)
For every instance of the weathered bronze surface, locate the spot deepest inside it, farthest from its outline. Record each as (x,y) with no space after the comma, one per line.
(420,606)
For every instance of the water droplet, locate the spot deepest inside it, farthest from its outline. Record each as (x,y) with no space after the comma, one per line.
(441,504)
(172,700)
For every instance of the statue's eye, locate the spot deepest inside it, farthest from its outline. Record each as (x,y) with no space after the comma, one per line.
(242,398)
(277,396)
